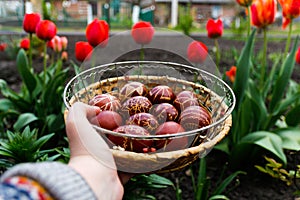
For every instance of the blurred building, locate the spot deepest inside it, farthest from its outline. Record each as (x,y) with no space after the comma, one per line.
(120,12)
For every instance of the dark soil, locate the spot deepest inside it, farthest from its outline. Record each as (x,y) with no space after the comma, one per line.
(252,186)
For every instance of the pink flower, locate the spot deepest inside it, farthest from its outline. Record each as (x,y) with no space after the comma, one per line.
(56,44)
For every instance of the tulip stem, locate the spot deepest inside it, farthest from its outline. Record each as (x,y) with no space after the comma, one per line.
(288,42)
(45,62)
(217,53)
(30,51)
(249,20)
(264,61)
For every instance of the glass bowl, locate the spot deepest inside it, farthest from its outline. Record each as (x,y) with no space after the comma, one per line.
(176,150)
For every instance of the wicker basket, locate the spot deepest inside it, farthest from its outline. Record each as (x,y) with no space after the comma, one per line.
(212,92)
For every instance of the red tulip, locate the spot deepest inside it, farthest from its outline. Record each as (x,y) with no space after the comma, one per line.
(263,12)
(55,43)
(46,30)
(25,44)
(97,33)
(142,32)
(231,73)
(244,3)
(298,56)
(83,51)
(290,10)
(30,22)
(214,28)
(3,46)
(197,52)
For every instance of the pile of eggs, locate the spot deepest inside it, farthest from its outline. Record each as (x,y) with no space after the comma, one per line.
(138,110)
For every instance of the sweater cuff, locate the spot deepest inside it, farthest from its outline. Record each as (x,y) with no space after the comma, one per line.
(60,181)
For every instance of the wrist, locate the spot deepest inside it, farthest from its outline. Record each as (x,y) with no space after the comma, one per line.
(103,180)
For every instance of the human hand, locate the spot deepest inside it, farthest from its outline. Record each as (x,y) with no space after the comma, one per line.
(90,155)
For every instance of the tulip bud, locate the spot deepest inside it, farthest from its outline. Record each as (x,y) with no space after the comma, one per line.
(298,56)
(83,51)
(30,22)
(214,28)
(3,46)
(231,73)
(46,30)
(290,11)
(142,32)
(56,44)
(97,33)
(244,3)
(64,56)
(64,42)
(197,52)
(260,18)
(25,44)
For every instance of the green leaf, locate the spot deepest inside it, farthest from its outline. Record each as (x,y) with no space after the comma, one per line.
(5,105)
(42,140)
(25,73)
(216,197)
(290,138)
(284,77)
(292,117)
(268,141)
(24,119)
(226,182)
(258,105)
(243,69)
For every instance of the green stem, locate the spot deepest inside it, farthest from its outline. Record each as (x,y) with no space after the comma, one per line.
(217,53)
(30,51)
(249,21)
(45,63)
(142,55)
(264,61)
(288,42)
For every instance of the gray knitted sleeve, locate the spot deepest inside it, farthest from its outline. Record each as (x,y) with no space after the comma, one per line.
(61,181)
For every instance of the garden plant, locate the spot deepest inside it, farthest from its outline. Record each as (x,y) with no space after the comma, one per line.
(266,123)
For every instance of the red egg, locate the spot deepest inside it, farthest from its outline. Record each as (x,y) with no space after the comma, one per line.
(106,102)
(145,120)
(108,120)
(137,104)
(161,94)
(176,143)
(131,144)
(194,117)
(132,89)
(185,99)
(164,112)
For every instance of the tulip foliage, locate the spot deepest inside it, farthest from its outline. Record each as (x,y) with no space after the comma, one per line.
(265,100)
(37,105)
